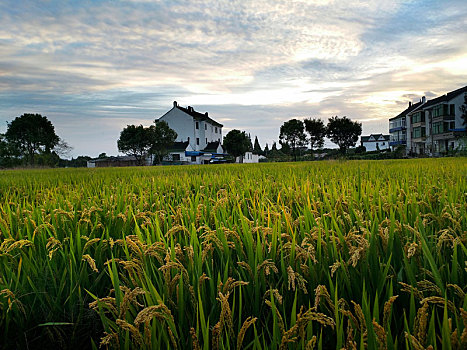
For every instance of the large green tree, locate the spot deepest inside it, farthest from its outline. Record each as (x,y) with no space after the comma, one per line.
(343,132)
(161,137)
(316,131)
(292,133)
(237,143)
(134,141)
(31,134)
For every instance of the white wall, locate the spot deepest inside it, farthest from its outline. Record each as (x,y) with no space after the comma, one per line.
(185,127)
(372,145)
(248,158)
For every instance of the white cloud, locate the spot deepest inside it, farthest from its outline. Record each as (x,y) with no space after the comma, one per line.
(301,57)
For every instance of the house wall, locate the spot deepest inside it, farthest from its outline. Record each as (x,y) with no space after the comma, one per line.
(185,127)
(372,145)
(248,158)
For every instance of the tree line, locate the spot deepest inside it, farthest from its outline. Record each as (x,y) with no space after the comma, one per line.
(31,140)
(296,134)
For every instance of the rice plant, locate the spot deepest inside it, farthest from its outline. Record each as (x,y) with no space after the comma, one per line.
(320,255)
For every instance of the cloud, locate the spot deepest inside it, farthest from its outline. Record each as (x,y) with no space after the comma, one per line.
(109,61)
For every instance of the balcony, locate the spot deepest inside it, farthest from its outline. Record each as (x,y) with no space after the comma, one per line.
(443,136)
(399,128)
(397,143)
(444,118)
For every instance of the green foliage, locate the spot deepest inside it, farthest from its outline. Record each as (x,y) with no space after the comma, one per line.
(292,133)
(161,137)
(316,131)
(135,141)
(327,255)
(343,132)
(236,143)
(31,134)
(463,110)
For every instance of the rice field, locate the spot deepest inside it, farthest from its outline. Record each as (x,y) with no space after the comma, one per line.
(320,255)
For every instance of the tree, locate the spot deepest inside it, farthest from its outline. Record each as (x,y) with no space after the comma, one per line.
(274,146)
(31,134)
(63,149)
(134,141)
(257,148)
(317,131)
(343,132)
(463,110)
(161,137)
(9,156)
(237,143)
(292,133)
(266,150)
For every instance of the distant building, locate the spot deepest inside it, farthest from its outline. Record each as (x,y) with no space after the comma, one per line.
(432,127)
(115,162)
(398,127)
(196,128)
(183,153)
(375,142)
(249,157)
(201,134)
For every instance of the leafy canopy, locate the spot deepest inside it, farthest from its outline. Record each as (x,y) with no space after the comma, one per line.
(134,141)
(292,134)
(161,137)
(31,134)
(237,143)
(343,132)
(316,131)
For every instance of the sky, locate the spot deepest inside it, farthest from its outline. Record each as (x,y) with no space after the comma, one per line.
(93,67)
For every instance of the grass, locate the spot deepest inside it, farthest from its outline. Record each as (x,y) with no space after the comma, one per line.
(357,254)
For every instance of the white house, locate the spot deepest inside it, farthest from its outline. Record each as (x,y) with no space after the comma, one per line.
(375,142)
(196,128)
(249,157)
(198,136)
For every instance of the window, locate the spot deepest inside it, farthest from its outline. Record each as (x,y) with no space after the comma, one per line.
(438,128)
(206,140)
(175,157)
(197,125)
(205,126)
(211,128)
(418,132)
(418,117)
(197,140)
(193,158)
(216,130)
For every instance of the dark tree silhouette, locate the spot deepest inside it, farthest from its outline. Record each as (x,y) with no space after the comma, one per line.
(343,132)
(161,137)
(31,134)
(463,109)
(316,131)
(292,133)
(257,148)
(134,141)
(237,143)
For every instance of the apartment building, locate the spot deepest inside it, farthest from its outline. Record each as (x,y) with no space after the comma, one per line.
(430,127)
